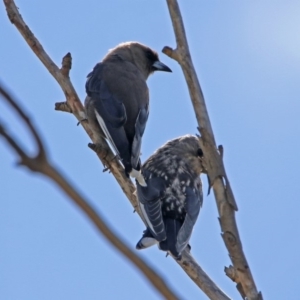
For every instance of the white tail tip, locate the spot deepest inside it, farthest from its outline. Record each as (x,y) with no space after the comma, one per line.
(138,176)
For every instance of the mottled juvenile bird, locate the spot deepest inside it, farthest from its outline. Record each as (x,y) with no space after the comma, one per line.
(171,201)
(117,102)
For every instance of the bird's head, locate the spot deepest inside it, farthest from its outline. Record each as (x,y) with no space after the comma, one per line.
(143,57)
(190,150)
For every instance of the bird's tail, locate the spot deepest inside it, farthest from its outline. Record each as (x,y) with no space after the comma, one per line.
(138,176)
(172,227)
(146,241)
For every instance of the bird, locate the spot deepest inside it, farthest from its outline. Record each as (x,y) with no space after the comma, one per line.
(171,201)
(117,101)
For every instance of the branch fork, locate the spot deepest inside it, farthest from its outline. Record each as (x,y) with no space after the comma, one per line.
(240,271)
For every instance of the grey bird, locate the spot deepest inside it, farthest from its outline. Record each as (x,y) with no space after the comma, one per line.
(171,201)
(117,102)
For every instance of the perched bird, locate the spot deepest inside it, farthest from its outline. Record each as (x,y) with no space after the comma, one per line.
(117,102)
(171,201)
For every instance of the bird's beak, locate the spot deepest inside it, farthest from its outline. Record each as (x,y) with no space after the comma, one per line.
(159,66)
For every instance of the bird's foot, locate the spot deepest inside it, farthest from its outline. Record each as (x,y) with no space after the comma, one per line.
(117,157)
(99,149)
(188,248)
(82,120)
(94,147)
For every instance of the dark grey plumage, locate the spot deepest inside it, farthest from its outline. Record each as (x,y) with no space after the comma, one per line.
(117,102)
(171,201)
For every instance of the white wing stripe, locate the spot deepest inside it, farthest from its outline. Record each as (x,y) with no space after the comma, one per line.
(106,132)
(146,217)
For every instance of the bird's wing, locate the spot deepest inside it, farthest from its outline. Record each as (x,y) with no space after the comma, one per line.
(150,204)
(109,111)
(140,126)
(194,198)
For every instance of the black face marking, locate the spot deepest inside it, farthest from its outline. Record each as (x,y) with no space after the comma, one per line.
(200,152)
(152,56)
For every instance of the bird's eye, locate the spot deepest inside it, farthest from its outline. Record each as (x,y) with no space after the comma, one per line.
(200,152)
(151,56)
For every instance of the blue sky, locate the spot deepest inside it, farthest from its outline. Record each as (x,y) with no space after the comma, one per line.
(247,56)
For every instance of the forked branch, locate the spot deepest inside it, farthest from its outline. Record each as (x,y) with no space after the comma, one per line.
(39,163)
(74,105)
(240,271)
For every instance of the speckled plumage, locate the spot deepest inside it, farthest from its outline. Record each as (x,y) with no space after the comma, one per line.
(117,102)
(171,202)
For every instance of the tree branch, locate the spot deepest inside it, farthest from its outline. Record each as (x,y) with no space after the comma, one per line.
(73,105)
(40,164)
(240,271)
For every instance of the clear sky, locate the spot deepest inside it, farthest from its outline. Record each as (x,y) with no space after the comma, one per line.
(247,56)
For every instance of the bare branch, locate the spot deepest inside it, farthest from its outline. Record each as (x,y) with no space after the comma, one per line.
(60,76)
(63,106)
(216,171)
(73,105)
(26,120)
(195,272)
(40,164)
(66,64)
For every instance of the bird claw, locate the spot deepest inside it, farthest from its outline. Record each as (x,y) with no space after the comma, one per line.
(117,157)
(92,146)
(79,122)
(98,148)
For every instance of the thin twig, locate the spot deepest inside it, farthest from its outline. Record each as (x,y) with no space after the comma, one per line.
(40,164)
(23,116)
(216,171)
(63,106)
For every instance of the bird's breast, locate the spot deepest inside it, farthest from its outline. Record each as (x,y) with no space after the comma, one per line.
(173,202)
